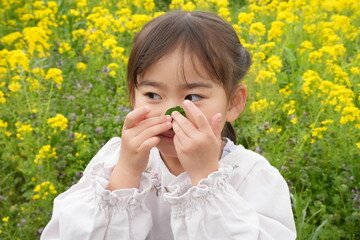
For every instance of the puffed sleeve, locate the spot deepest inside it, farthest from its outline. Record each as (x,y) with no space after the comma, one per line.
(257,206)
(88,211)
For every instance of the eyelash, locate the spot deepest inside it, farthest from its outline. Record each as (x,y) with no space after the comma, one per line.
(152,96)
(198,96)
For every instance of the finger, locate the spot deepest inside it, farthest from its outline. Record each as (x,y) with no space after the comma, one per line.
(136,116)
(180,135)
(148,144)
(198,117)
(182,122)
(152,132)
(147,123)
(216,125)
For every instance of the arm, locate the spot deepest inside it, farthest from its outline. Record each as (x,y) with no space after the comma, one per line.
(256,205)
(88,211)
(258,209)
(108,200)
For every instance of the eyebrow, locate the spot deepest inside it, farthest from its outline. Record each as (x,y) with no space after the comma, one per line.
(184,86)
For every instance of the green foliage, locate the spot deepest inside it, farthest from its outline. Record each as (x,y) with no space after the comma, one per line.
(63,94)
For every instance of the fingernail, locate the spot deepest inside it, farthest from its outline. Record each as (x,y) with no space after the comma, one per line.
(173,114)
(186,101)
(168,117)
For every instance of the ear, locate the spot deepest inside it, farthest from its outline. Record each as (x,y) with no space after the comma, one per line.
(237,103)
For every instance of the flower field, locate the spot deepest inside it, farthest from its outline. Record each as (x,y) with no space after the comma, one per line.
(63,95)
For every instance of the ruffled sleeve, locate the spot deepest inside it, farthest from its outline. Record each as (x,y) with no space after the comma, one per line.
(255,205)
(211,210)
(88,211)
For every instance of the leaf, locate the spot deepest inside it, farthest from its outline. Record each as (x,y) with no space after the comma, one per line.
(177,108)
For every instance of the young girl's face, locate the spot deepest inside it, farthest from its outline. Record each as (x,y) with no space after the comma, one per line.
(163,86)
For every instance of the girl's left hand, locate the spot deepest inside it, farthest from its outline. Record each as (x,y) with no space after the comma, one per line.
(197,143)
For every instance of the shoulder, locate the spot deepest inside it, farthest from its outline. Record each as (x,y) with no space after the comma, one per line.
(108,154)
(245,164)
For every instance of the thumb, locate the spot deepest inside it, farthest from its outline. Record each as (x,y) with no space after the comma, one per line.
(216,124)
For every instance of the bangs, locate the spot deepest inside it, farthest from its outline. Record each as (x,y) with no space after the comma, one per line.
(207,38)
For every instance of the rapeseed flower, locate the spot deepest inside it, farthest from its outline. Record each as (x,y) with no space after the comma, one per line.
(5,219)
(306,45)
(17,59)
(276,31)
(286,91)
(257,29)
(55,74)
(81,66)
(37,41)
(274,63)
(79,137)
(259,106)
(265,76)
(43,190)
(149,5)
(59,121)
(45,153)
(244,17)
(2,97)
(64,47)
(23,129)
(350,114)
(10,39)
(14,86)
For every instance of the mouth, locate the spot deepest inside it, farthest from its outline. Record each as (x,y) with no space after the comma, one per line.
(168,134)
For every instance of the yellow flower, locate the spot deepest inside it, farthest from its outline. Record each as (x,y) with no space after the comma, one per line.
(43,189)
(17,58)
(276,30)
(59,121)
(64,47)
(149,5)
(286,91)
(81,66)
(189,6)
(12,38)
(350,114)
(2,97)
(274,63)
(257,28)
(6,219)
(79,137)
(358,144)
(355,70)
(109,43)
(265,76)
(258,106)
(55,74)
(3,124)
(14,86)
(37,41)
(244,17)
(46,152)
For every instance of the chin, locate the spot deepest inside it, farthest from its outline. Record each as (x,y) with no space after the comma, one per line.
(167,149)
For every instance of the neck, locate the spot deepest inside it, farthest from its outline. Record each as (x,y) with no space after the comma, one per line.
(173,164)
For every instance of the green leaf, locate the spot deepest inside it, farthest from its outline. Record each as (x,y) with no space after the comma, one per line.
(177,108)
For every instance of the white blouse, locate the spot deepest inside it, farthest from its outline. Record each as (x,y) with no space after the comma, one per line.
(246,198)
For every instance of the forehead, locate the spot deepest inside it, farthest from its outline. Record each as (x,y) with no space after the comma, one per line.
(177,65)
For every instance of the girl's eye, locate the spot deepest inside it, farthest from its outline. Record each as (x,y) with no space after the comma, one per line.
(153,96)
(193,97)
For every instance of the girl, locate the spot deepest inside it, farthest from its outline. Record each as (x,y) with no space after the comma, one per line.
(177,177)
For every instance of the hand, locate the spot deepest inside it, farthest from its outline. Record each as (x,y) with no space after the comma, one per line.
(197,142)
(139,135)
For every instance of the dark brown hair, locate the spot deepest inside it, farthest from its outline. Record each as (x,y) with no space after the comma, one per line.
(206,36)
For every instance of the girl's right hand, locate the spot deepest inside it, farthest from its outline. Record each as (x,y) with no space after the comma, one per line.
(139,135)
